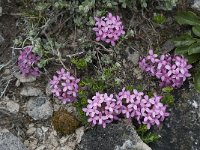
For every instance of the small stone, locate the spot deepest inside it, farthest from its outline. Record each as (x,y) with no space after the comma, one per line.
(48,90)
(31,91)
(33,144)
(79,134)
(196,5)
(66,147)
(45,129)
(7,72)
(134,58)
(26,143)
(12,107)
(42,147)
(17,84)
(39,108)
(24,79)
(10,142)
(31,131)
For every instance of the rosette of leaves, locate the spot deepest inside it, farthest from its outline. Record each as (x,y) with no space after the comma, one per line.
(188,44)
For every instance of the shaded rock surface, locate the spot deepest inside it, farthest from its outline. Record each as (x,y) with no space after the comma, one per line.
(30,91)
(181,131)
(10,142)
(39,108)
(114,137)
(24,79)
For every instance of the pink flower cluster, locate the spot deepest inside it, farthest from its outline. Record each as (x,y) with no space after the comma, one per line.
(27,62)
(145,110)
(103,109)
(64,86)
(108,29)
(172,70)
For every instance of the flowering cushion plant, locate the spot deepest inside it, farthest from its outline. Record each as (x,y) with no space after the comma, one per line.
(64,86)
(27,62)
(172,70)
(103,109)
(108,29)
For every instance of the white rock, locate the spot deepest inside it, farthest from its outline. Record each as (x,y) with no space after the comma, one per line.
(79,134)
(42,147)
(23,78)
(48,90)
(9,105)
(31,91)
(31,131)
(12,107)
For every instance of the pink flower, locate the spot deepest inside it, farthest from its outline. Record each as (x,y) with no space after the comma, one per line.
(28,61)
(171,70)
(64,86)
(108,29)
(100,109)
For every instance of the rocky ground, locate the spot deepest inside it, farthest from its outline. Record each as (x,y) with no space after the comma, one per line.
(27,108)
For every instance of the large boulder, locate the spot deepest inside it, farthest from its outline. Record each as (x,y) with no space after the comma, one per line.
(181,131)
(114,137)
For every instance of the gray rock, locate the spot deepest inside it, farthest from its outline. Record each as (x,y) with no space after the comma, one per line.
(181,130)
(39,108)
(24,79)
(31,91)
(12,107)
(114,137)
(133,56)
(167,46)
(196,5)
(10,142)
(9,105)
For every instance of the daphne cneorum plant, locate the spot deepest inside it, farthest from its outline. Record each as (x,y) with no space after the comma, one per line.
(28,62)
(64,86)
(104,108)
(108,28)
(172,70)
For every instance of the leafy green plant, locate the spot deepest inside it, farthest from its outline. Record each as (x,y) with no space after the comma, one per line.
(80,63)
(159,18)
(146,135)
(188,44)
(168,98)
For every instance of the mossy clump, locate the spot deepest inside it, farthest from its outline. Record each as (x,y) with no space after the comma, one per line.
(64,123)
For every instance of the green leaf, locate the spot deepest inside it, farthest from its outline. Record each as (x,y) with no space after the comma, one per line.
(168,99)
(167,89)
(194,49)
(181,50)
(183,40)
(196,30)
(196,80)
(192,58)
(188,18)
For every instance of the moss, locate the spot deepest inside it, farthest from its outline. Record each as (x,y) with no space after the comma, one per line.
(64,123)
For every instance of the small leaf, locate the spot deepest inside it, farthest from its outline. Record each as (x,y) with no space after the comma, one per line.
(188,18)
(181,50)
(196,30)
(167,89)
(192,58)
(196,80)
(183,40)
(194,49)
